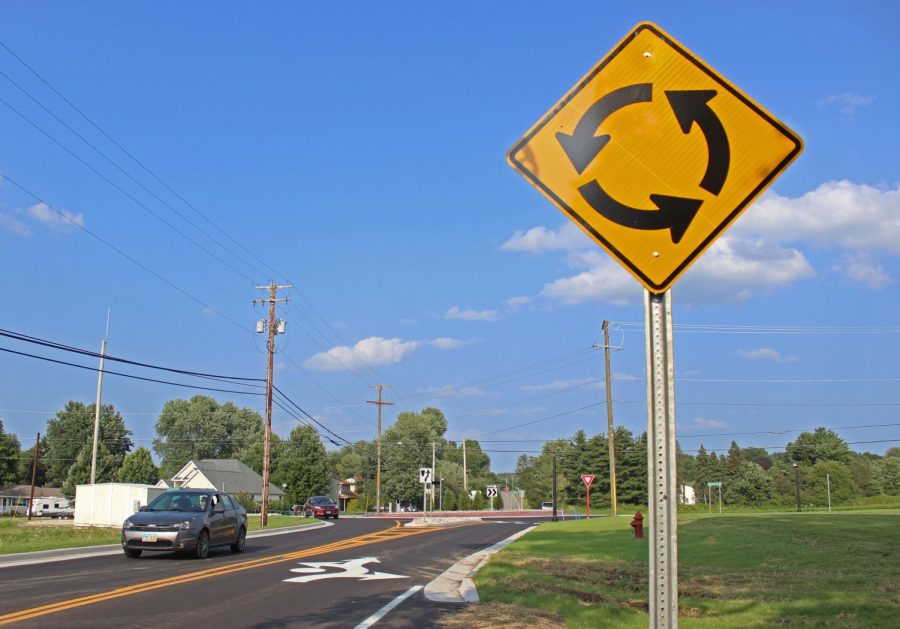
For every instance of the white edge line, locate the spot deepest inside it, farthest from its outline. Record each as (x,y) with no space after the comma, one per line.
(381,613)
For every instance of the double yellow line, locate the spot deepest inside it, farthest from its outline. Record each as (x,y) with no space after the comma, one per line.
(396,532)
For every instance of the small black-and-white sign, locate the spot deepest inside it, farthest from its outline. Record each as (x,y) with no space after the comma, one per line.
(424,474)
(491,491)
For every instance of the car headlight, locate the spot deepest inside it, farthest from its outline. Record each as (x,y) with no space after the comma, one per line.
(183,525)
(128,524)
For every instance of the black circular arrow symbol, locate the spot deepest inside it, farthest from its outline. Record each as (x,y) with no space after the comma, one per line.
(672,213)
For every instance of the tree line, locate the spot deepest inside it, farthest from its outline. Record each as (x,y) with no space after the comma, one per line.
(817,462)
(202,428)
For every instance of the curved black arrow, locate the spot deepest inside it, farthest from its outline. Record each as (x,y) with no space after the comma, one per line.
(674,213)
(692,106)
(582,146)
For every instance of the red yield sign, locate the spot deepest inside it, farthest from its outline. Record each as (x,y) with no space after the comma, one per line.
(588,479)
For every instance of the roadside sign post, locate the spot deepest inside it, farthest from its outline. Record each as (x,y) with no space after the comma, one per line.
(491,491)
(587,479)
(654,155)
(719,485)
(425,479)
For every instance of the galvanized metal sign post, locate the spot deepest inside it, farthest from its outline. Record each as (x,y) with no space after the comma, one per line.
(661,460)
(653,154)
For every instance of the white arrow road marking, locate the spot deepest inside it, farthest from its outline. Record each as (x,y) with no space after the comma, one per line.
(349,569)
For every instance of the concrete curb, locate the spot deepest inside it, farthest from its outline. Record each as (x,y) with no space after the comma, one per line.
(65,554)
(455,585)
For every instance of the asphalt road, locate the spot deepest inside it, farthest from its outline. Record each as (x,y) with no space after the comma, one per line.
(336,576)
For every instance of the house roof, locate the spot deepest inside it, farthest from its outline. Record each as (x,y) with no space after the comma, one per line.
(229,475)
(16,491)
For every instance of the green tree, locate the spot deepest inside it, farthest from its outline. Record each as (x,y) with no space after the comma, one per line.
(814,489)
(10,451)
(303,467)
(821,444)
(108,465)
(631,467)
(887,475)
(749,485)
(26,466)
(72,429)
(201,428)
(138,467)
(406,447)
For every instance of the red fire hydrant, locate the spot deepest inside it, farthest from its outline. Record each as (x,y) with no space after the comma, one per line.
(638,525)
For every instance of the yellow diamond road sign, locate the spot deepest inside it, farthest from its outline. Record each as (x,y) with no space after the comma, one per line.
(654,155)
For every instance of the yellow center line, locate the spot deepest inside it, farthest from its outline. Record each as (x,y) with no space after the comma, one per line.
(396,532)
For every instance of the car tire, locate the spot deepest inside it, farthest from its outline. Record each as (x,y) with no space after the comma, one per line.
(202,549)
(240,542)
(335,516)
(132,553)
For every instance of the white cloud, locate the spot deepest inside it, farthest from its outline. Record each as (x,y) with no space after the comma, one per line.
(605,282)
(562,385)
(514,304)
(13,224)
(375,351)
(848,102)
(450,390)
(736,268)
(767,353)
(538,239)
(53,220)
(836,214)
(445,342)
(764,251)
(859,267)
(472,315)
(702,422)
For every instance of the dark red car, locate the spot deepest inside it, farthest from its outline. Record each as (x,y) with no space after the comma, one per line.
(320,507)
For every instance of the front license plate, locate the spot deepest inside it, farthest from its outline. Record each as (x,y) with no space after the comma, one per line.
(148,537)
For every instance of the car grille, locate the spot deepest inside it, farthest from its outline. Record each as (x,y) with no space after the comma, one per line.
(163,543)
(161,528)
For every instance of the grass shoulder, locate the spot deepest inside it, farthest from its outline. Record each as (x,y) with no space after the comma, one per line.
(736,570)
(18,535)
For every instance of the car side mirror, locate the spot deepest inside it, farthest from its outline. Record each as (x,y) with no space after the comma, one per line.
(142,508)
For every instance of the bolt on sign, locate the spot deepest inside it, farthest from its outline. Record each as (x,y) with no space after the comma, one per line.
(654,154)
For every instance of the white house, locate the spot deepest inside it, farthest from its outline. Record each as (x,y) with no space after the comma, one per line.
(229,475)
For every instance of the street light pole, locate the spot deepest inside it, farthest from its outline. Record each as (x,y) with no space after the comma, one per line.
(797,483)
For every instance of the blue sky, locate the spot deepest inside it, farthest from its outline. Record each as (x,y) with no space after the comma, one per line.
(358,152)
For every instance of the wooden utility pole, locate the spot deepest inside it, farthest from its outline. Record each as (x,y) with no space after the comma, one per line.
(267,439)
(37,453)
(610,431)
(97,405)
(380,403)
(465,470)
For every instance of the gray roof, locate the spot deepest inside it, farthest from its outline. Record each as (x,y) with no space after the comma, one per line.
(233,476)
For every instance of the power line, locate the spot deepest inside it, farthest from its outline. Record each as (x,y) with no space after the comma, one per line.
(132,157)
(125,375)
(68,348)
(97,237)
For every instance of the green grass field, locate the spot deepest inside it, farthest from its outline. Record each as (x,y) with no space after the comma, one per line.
(748,570)
(18,536)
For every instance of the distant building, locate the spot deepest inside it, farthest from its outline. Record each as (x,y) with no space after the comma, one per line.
(686,495)
(14,499)
(343,490)
(228,475)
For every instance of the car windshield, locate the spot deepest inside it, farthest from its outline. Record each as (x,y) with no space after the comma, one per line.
(179,501)
(321,501)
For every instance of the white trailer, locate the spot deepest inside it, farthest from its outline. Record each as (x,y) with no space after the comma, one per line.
(108,504)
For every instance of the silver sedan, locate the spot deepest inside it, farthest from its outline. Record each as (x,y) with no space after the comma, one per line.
(186,521)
